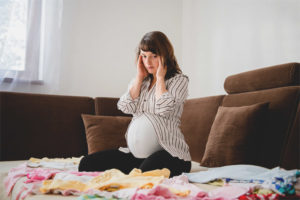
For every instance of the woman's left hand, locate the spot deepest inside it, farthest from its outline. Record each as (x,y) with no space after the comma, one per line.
(162,69)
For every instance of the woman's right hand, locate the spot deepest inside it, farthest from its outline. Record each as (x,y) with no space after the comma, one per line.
(141,70)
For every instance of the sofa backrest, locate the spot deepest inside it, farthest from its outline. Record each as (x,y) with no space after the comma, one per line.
(107,106)
(35,125)
(278,85)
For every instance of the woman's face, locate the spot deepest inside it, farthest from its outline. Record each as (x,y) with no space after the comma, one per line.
(151,61)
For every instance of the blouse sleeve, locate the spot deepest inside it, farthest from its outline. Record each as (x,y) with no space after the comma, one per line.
(176,94)
(126,104)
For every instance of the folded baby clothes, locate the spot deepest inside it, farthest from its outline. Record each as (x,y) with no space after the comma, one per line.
(55,163)
(279,180)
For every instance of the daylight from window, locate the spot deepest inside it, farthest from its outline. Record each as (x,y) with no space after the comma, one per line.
(13,34)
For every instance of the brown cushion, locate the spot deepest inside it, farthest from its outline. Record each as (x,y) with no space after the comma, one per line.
(196,120)
(279,121)
(105,132)
(231,139)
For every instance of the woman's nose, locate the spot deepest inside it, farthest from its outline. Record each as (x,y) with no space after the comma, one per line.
(148,61)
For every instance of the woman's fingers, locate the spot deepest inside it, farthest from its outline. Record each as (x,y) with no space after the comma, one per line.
(162,69)
(142,72)
(139,61)
(159,62)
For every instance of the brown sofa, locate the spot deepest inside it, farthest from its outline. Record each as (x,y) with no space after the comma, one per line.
(38,125)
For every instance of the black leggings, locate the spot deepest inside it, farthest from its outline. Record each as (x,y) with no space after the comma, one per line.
(125,162)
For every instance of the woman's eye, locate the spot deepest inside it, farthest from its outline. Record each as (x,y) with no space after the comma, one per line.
(155,56)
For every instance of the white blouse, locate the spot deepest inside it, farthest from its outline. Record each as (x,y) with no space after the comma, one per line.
(163,113)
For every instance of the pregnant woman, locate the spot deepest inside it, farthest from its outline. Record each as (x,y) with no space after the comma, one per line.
(155,98)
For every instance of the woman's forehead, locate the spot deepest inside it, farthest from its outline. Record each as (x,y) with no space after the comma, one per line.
(147,52)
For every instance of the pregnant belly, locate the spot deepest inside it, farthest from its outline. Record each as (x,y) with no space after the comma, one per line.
(141,138)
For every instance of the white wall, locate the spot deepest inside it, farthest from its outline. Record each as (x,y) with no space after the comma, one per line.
(212,39)
(100,38)
(221,38)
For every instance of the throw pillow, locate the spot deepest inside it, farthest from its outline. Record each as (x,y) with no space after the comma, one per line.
(232,136)
(105,132)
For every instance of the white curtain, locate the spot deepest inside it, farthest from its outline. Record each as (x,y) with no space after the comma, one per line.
(42,52)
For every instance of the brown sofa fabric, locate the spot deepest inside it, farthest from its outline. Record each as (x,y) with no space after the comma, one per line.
(291,152)
(233,136)
(197,118)
(51,125)
(283,103)
(265,78)
(107,106)
(105,132)
(34,125)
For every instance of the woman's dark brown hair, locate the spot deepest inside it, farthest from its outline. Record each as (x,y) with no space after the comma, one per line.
(159,44)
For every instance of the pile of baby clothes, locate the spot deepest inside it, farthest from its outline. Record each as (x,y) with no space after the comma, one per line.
(262,183)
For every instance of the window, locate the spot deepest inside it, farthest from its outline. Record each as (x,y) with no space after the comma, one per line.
(20,28)
(30,42)
(13,20)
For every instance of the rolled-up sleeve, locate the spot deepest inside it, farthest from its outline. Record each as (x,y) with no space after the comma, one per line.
(126,104)
(176,95)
